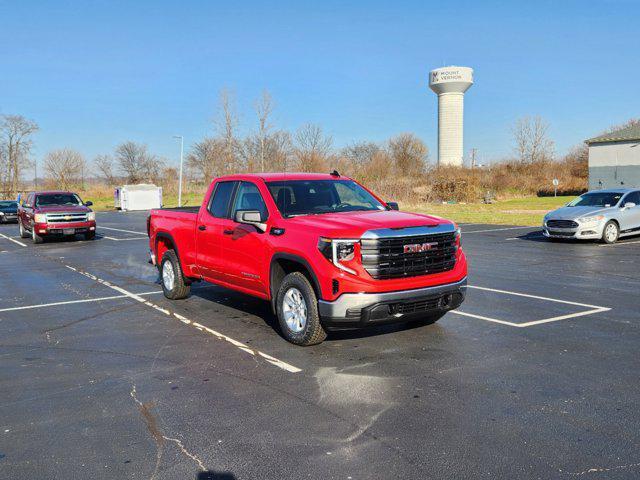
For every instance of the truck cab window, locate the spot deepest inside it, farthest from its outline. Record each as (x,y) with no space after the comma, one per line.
(249,198)
(219,206)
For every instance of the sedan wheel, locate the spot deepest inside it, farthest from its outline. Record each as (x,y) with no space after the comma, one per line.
(611,232)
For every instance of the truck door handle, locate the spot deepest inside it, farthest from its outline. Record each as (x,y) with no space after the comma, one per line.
(227,232)
(202,228)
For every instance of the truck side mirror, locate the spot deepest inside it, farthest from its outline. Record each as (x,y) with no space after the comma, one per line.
(393,206)
(251,217)
(88,204)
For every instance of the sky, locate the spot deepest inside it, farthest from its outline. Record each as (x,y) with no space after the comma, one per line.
(93,74)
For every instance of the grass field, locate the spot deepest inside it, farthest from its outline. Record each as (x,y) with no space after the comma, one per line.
(517,211)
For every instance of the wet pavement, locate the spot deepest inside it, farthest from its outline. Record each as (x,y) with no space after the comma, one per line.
(535,376)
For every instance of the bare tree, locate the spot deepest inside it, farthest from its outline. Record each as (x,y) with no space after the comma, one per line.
(532,142)
(207,158)
(361,153)
(409,154)
(226,125)
(104,166)
(264,108)
(312,148)
(137,163)
(15,145)
(64,167)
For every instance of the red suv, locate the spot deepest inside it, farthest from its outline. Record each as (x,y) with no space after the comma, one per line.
(54,214)
(324,250)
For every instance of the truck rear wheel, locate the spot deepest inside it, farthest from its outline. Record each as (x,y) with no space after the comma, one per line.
(173,283)
(297,309)
(23,231)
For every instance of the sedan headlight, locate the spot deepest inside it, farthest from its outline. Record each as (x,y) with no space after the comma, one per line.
(594,219)
(340,252)
(40,218)
(91,216)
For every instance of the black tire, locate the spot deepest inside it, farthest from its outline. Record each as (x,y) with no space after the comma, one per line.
(35,237)
(23,231)
(610,225)
(311,332)
(179,288)
(90,236)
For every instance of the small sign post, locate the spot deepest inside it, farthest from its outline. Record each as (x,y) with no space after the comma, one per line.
(556,182)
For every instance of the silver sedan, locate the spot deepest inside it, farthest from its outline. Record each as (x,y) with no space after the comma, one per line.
(598,215)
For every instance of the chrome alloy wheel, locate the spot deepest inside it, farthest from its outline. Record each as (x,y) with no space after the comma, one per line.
(168,275)
(294,308)
(611,233)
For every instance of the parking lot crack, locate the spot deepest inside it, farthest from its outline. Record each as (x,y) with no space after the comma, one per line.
(604,470)
(159,438)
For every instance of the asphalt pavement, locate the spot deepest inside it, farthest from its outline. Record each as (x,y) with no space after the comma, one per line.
(535,376)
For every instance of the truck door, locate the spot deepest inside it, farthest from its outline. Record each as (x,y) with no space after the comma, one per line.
(630,217)
(244,244)
(209,232)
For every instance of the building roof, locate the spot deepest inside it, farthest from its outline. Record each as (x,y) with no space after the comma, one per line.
(629,133)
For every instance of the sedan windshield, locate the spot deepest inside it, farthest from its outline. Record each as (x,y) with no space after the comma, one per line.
(310,197)
(58,199)
(596,199)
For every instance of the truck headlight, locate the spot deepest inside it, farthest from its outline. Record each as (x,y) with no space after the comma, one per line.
(340,252)
(594,219)
(40,218)
(91,216)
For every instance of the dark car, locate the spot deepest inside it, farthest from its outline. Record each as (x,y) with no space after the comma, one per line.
(8,211)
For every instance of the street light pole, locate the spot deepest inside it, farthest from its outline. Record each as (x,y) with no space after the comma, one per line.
(180,176)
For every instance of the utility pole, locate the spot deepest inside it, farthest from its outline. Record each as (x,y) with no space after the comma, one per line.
(35,174)
(180,176)
(473,158)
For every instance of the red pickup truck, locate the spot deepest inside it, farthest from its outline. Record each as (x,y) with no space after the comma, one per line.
(55,214)
(325,251)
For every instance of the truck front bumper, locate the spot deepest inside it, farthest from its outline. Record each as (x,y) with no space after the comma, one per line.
(357,310)
(59,229)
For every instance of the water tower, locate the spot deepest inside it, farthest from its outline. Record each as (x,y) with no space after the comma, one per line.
(450,83)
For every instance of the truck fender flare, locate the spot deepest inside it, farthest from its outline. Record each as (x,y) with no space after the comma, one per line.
(169,237)
(296,259)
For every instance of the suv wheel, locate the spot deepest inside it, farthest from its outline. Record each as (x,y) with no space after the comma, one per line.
(34,236)
(23,231)
(611,232)
(173,283)
(297,308)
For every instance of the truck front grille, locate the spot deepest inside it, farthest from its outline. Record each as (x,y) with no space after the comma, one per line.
(66,217)
(387,258)
(562,224)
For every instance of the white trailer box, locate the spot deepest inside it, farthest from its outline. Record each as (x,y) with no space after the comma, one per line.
(143,196)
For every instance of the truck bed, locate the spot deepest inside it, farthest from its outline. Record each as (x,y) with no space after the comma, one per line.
(193,209)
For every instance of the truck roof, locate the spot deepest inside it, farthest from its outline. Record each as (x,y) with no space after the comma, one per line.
(52,192)
(275,177)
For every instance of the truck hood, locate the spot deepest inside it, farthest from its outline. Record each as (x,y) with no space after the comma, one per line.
(63,208)
(354,224)
(571,213)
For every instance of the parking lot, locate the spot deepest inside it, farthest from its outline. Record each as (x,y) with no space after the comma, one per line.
(535,376)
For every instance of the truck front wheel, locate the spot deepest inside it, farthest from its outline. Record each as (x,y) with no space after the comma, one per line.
(173,284)
(297,308)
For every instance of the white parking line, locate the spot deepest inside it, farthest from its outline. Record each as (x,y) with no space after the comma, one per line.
(618,243)
(592,309)
(242,346)
(121,230)
(121,239)
(498,229)
(13,240)
(70,302)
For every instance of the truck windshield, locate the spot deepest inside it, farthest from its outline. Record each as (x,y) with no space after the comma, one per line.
(596,199)
(58,199)
(312,197)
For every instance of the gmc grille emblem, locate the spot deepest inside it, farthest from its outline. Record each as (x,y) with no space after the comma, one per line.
(419,247)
